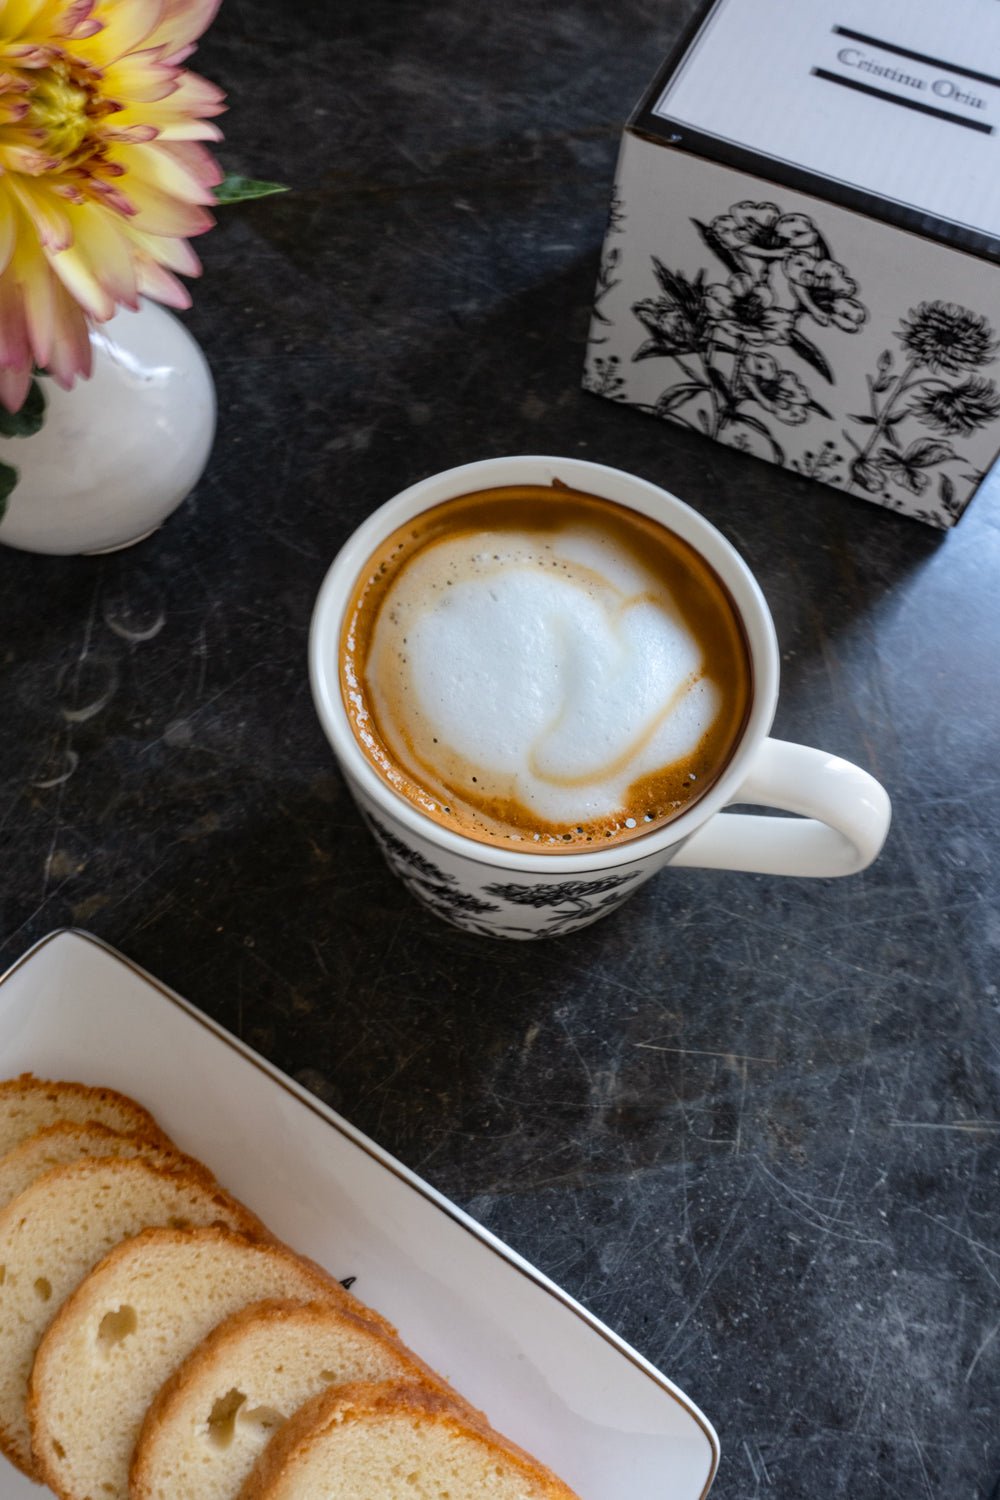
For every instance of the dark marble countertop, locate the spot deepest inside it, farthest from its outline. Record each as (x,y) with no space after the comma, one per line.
(752,1123)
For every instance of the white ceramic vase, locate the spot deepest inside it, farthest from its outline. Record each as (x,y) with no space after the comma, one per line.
(120,451)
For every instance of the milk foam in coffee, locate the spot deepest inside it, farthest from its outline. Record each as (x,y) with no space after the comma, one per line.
(534,665)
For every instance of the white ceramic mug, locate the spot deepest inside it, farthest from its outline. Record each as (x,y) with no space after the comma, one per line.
(843,813)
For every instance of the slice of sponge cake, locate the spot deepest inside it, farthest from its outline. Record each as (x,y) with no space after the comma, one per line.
(213,1418)
(28,1104)
(126,1329)
(59,1145)
(57,1230)
(394,1442)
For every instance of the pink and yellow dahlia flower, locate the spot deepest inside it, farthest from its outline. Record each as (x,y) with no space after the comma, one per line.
(103,177)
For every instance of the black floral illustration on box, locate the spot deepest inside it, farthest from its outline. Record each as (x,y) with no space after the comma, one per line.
(607,279)
(731,338)
(616,212)
(574,896)
(824,464)
(604,378)
(914,411)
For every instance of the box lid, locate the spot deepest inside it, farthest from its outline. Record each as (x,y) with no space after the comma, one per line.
(891,107)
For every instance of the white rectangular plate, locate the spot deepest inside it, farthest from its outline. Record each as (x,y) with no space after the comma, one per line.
(546,1372)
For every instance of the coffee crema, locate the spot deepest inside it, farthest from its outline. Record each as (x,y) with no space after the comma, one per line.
(531,665)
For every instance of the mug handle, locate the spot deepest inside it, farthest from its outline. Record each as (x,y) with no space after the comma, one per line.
(843,818)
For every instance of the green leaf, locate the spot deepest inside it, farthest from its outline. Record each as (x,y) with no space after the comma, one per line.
(8,479)
(236,189)
(26,421)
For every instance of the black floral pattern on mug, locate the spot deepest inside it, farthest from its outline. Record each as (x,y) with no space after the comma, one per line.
(575,897)
(428,882)
(731,339)
(572,903)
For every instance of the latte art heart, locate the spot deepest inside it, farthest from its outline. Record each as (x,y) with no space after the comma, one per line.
(536,665)
(548,672)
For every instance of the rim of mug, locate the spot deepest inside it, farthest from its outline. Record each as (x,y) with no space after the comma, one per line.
(607,483)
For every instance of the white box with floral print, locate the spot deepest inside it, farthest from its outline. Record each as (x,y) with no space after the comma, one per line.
(803,252)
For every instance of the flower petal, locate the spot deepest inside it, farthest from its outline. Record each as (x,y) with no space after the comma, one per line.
(15,350)
(8,231)
(132,135)
(125,26)
(175,254)
(197,96)
(19,16)
(182,114)
(38,290)
(141,77)
(159,284)
(182,22)
(182,169)
(77,20)
(14,385)
(103,242)
(159,213)
(45,209)
(25,160)
(83,284)
(71,354)
(190,130)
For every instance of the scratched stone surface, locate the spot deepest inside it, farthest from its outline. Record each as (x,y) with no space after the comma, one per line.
(752,1123)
